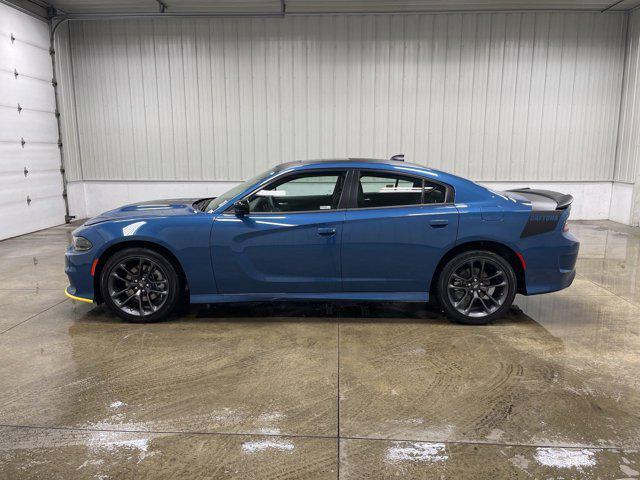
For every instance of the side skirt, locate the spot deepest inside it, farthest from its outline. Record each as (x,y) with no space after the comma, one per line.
(265,297)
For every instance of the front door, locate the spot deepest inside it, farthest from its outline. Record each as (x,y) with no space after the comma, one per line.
(397,233)
(288,243)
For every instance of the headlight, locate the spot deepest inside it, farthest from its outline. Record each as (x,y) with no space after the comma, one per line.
(81,244)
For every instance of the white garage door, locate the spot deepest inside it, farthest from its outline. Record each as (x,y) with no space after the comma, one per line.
(30,180)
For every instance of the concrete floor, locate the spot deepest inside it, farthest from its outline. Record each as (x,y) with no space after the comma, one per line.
(319,391)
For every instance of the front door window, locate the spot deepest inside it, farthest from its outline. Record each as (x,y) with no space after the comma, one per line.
(301,193)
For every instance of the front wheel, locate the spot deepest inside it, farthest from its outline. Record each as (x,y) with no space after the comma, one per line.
(476,287)
(139,285)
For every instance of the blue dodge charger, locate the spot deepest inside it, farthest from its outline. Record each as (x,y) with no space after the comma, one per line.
(355,229)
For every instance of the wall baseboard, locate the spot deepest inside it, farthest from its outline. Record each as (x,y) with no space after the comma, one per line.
(593,200)
(621,203)
(90,198)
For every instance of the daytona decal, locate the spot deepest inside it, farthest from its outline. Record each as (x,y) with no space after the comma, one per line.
(541,222)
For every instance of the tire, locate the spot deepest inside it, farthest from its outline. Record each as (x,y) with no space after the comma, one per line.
(476,287)
(145,298)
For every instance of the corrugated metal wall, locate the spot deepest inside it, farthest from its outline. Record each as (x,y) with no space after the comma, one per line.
(67,105)
(493,96)
(629,135)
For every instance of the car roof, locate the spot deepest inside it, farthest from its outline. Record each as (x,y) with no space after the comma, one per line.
(373,163)
(350,162)
(466,190)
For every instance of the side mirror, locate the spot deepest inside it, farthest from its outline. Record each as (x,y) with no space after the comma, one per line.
(241,207)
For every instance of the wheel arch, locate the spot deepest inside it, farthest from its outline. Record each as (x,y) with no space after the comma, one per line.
(498,248)
(156,247)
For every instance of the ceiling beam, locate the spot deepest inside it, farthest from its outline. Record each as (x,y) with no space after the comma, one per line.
(611,6)
(36,9)
(288,8)
(121,15)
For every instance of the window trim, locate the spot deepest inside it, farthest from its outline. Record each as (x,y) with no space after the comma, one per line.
(295,173)
(355,179)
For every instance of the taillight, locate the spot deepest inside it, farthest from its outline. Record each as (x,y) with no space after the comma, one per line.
(565,227)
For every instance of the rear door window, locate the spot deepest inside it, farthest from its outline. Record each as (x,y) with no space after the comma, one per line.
(377,190)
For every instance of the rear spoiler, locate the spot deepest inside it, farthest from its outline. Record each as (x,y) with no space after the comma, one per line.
(544,200)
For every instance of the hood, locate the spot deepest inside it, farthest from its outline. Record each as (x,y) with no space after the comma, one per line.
(154,208)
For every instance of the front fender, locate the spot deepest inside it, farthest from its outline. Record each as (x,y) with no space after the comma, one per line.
(187,238)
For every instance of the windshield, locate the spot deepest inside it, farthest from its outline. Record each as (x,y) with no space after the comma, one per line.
(229,194)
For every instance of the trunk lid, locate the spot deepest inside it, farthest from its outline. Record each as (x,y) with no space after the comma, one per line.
(541,200)
(549,210)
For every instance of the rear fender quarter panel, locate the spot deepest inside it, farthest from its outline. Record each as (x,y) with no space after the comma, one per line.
(549,255)
(544,253)
(186,237)
(503,225)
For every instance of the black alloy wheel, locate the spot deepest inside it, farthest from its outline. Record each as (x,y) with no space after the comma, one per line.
(476,287)
(139,285)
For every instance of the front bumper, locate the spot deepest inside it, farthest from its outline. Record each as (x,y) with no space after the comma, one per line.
(77,266)
(70,292)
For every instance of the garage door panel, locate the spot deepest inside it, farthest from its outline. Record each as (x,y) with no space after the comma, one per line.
(27,59)
(32,61)
(26,191)
(8,85)
(35,123)
(35,157)
(30,93)
(7,58)
(23,27)
(41,214)
(31,125)
(38,186)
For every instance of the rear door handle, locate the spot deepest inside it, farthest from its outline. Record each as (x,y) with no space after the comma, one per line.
(326,231)
(439,223)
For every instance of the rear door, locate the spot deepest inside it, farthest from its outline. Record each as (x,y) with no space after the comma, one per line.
(288,243)
(395,232)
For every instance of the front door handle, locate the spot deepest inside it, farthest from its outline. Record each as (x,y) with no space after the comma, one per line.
(439,223)
(326,231)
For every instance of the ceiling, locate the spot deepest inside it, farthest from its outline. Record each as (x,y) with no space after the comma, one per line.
(278,7)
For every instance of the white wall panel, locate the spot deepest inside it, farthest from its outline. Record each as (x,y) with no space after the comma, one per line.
(90,198)
(629,136)
(628,156)
(30,181)
(593,200)
(621,201)
(492,96)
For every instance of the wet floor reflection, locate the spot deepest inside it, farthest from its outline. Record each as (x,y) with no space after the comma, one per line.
(610,257)
(268,390)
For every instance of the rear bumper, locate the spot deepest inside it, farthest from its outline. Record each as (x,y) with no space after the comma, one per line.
(551,267)
(559,282)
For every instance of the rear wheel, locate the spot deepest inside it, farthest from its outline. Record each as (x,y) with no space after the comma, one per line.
(476,287)
(139,285)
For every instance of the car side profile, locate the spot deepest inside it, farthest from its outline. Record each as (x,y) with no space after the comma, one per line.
(354,229)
